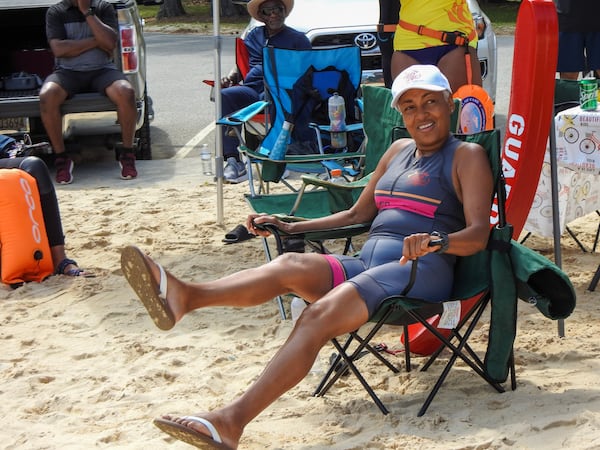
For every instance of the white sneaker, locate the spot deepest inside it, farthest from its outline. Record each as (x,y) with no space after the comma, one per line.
(234,171)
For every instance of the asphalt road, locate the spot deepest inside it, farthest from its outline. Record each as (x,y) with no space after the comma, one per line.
(184,115)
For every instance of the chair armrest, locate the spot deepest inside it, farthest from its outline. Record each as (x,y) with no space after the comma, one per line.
(313,157)
(243,115)
(316,181)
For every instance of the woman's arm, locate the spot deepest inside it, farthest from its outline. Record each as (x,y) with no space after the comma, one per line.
(473,181)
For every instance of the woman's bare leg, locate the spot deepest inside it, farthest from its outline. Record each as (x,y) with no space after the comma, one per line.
(454,66)
(401,61)
(287,273)
(319,323)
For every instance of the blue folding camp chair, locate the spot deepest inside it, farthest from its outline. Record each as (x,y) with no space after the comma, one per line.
(298,84)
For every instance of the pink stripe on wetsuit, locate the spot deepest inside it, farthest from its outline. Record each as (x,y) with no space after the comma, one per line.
(337,271)
(415,206)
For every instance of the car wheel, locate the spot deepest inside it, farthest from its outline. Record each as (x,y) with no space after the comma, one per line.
(144,147)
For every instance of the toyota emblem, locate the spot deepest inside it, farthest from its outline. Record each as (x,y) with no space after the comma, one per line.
(365,41)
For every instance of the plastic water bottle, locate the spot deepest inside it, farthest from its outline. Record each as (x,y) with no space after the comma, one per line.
(297,306)
(337,120)
(206,157)
(337,177)
(280,148)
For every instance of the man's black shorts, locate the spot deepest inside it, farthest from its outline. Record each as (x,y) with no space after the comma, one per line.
(75,82)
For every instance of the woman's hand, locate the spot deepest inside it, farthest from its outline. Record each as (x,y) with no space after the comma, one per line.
(417,245)
(256,219)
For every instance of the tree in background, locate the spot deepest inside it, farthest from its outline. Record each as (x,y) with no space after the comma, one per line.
(174,8)
(170,8)
(230,9)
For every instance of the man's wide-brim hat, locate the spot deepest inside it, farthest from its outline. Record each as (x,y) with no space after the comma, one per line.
(254,6)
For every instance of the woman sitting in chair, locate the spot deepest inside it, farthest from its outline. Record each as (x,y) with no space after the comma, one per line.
(429,198)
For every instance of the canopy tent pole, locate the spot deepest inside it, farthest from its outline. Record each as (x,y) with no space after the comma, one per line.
(217,89)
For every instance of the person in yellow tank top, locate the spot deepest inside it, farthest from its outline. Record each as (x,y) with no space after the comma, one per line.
(410,47)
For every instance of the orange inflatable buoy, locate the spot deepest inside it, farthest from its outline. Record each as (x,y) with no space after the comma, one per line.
(25,252)
(476,109)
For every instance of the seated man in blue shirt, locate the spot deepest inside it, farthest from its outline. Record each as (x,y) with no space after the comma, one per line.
(274,33)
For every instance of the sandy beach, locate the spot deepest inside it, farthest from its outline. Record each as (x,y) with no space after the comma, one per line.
(84,367)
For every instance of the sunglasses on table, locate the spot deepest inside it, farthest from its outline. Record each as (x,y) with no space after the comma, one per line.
(267,11)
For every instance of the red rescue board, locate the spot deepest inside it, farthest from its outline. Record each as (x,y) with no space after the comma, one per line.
(531,107)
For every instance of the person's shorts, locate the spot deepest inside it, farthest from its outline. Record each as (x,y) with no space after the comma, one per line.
(75,82)
(377,274)
(578,52)
(430,55)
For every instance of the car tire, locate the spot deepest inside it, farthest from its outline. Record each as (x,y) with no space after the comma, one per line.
(144,147)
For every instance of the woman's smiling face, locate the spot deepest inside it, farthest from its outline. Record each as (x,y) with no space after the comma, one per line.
(426,116)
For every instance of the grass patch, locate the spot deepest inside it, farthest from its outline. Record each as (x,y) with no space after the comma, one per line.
(198,19)
(502,15)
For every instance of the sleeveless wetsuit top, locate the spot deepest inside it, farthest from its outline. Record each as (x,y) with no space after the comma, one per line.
(416,195)
(440,15)
(413,196)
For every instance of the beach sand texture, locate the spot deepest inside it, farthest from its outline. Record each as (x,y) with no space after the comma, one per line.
(83,366)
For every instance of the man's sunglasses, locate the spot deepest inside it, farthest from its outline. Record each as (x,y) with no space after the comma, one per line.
(267,11)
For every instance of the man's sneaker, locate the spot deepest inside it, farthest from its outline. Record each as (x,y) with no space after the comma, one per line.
(234,171)
(64,169)
(127,163)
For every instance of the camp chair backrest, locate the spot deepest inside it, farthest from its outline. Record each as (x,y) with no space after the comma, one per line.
(566,94)
(242,57)
(379,121)
(297,83)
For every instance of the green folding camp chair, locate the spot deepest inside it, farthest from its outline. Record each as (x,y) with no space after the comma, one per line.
(501,273)
(471,279)
(488,276)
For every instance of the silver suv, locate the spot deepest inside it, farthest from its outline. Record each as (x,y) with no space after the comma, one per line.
(26,60)
(353,22)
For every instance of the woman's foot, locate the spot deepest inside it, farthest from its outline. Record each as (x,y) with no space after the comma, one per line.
(70,268)
(158,290)
(202,430)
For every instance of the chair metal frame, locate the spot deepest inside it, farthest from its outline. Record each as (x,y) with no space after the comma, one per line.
(414,311)
(418,311)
